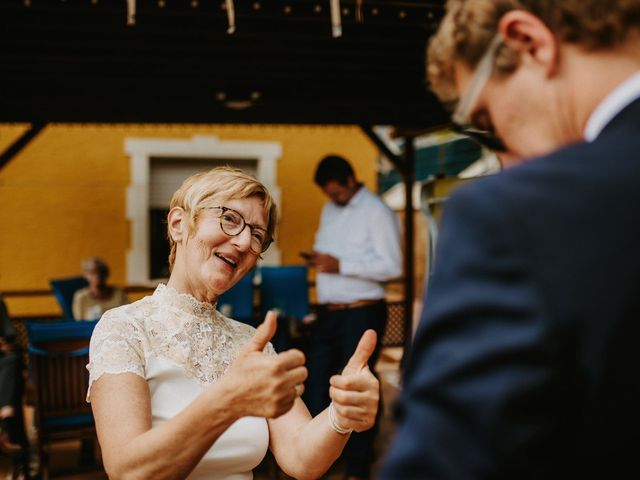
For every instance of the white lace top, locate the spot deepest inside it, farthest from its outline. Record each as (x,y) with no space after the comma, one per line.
(180,346)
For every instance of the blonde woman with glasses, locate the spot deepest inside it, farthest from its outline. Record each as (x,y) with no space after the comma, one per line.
(178,390)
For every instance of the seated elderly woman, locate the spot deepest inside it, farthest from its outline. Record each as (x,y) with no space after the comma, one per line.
(91,302)
(178,390)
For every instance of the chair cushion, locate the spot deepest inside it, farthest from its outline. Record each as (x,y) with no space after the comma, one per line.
(68,421)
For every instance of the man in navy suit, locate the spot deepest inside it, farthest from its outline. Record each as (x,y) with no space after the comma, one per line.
(526,362)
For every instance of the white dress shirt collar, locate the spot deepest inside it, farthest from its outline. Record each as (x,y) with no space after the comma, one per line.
(357,197)
(613,104)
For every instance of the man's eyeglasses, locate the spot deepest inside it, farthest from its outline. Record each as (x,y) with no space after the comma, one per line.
(232,223)
(461,115)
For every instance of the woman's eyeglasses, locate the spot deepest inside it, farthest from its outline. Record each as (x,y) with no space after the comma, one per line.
(232,223)
(461,116)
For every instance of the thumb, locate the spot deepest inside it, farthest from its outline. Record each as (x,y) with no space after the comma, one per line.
(364,350)
(263,334)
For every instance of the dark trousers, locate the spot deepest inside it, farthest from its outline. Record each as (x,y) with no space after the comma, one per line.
(11,392)
(10,380)
(334,337)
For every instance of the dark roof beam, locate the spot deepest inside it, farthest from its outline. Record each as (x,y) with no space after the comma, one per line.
(24,140)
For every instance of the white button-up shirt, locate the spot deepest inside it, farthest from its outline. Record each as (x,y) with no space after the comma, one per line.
(364,236)
(612,105)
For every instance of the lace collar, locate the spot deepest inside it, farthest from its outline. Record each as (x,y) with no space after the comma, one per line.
(186,302)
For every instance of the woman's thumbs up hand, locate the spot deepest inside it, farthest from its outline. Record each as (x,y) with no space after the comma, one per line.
(356,392)
(265,385)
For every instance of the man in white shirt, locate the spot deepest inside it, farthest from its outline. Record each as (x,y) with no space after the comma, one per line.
(525,363)
(357,248)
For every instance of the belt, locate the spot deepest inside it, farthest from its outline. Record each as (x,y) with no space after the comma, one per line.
(348,306)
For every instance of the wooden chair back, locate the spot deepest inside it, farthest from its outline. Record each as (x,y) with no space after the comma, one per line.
(58,356)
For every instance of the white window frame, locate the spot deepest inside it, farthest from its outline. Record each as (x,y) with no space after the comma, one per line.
(142,150)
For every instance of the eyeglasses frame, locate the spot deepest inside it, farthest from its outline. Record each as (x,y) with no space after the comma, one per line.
(268,240)
(462,122)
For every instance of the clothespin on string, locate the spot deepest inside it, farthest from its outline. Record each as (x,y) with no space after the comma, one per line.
(131,12)
(336,21)
(231,16)
(359,14)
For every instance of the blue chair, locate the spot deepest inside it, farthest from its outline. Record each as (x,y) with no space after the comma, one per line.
(285,290)
(64,289)
(51,332)
(58,355)
(237,302)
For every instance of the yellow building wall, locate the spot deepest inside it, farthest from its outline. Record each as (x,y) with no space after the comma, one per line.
(63,197)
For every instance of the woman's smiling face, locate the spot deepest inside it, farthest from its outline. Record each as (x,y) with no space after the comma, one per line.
(209,262)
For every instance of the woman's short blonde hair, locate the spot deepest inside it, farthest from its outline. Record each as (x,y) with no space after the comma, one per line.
(469,26)
(208,189)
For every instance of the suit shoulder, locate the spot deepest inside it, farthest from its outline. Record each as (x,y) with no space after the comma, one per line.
(534,182)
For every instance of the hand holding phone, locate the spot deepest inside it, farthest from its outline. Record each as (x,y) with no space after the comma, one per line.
(306,255)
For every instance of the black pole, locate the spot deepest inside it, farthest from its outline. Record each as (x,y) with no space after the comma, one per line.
(397,160)
(408,175)
(406,165)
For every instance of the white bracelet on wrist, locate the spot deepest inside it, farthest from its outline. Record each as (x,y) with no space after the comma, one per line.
(332,421)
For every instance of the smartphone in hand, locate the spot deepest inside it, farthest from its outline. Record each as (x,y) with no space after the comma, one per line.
(306,255)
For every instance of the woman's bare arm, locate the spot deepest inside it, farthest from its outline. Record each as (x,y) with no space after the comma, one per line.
(306,447)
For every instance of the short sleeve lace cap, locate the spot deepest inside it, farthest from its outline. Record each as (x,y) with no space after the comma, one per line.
(175,326)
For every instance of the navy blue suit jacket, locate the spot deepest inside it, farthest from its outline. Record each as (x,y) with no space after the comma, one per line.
(526,363)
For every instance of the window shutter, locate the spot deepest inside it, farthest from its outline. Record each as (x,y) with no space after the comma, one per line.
(167,175)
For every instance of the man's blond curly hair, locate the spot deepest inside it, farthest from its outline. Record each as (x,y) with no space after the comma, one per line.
(469,26)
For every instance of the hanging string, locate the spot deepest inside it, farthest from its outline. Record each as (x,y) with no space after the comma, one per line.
(336,21)
(231,16)
(131,12)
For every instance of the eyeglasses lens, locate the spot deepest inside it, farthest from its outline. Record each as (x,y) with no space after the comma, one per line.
(233,224)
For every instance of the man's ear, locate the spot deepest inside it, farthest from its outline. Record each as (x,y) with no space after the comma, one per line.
(526,34)
(176,219)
